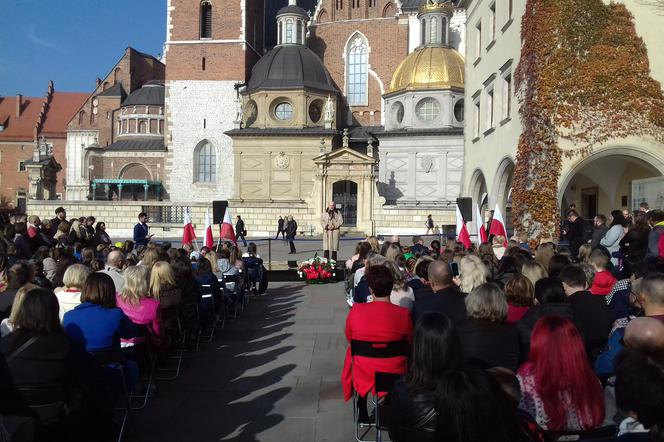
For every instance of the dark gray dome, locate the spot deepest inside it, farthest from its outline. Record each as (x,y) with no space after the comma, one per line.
(290,67)
(150,94)
(292,9)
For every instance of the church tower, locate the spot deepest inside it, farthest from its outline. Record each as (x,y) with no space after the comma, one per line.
(211,47)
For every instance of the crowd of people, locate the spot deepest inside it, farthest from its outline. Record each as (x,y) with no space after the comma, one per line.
(505,343)
(80,313)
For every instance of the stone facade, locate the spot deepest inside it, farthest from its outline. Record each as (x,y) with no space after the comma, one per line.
(199,111)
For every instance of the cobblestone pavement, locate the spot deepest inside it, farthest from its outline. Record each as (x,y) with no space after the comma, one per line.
(272,375)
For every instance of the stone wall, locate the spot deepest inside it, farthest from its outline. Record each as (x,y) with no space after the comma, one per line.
(198,111)
(260,219)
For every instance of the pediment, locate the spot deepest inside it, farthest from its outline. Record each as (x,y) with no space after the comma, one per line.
(345,155)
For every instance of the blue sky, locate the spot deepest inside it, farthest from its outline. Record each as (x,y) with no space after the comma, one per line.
(72,42)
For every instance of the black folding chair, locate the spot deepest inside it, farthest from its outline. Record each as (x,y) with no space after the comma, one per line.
(384,384)
(600,434)
(207,309)
(177,335)
(377,350)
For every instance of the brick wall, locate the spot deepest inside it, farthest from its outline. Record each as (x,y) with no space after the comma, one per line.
(387,39)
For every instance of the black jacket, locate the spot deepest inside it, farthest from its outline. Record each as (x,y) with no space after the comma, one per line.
(280,224)
(50,360)
(527,323)
(489,344)
(449,302)
(635,243)
(575,235)
(412,415)
(291,229)
(598,234)
(596,318)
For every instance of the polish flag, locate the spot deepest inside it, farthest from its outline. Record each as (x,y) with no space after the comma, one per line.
(481,230)
(208,241)
(462,232)
(188,234)
(227,230)
(498,225)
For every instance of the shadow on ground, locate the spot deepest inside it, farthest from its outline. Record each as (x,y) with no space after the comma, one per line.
(229,388)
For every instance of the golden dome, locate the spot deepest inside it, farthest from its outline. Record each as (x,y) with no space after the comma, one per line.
(431,67)
(445,6)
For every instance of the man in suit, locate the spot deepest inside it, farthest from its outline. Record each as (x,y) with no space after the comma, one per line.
(446,297)
(240,231)
(142,231)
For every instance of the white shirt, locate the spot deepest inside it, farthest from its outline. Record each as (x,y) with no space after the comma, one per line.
(403,298)
(68,301)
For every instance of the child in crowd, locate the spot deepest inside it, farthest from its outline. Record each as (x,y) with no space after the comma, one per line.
(604,280)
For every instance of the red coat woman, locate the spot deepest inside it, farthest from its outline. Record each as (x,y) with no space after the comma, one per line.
(377,321)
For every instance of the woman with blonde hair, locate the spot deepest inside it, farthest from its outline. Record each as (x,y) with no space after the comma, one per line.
(69,296)
(75,234)
(212,257)
(394,253)
(375,246)
(135,302)
(534,271)
(7,324)
(149,258)
(162,285)
(472,273)
(584,253)
(402,295)
(544,253)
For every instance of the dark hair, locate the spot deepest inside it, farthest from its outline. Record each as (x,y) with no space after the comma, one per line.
(20,274)
(549,290)
(204,266)
(519,291)
(38,314)
(422,269)
(507,265)
(224,254)
(90,218)
(557,263)
(436,352)
(380,280)
(363,248)
(20,229)
(60,210)
(601,218)
(142,214)
(573,276)
(572,212)
(98,226)
(618,218)
(474,408)
(656,215)
(182,270)
(87,255)
(99,289)
(64,263)
(251,249)
(640,389)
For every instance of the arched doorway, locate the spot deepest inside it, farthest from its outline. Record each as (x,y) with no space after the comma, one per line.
(602,183)
(344,194)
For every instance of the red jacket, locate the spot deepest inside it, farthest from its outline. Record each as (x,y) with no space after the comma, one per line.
(374,322)
(603,283)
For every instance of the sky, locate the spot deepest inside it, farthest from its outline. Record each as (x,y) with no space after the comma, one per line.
(72,42)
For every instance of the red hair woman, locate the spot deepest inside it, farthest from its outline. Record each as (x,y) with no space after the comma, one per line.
(559,388)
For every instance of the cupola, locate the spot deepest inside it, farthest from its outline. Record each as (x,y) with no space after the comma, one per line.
(434,16)
(292,25)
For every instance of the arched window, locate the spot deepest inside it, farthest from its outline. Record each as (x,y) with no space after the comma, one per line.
(299,32)
(289,31)
(81,117)
(205,163)
(206,19)
(424,32)
(280,33)
(357,61)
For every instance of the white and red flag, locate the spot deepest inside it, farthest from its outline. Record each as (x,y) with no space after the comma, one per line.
(462,232)
(208,240)
(498,225)
(188,233)
(227,230)
(482,236)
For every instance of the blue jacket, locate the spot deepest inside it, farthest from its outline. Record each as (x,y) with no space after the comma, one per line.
(97,328)
(140,232)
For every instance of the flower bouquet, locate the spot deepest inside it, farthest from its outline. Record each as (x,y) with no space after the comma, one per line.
(317,270)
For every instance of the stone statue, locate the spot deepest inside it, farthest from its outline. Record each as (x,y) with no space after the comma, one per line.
(239,111)
(329,109)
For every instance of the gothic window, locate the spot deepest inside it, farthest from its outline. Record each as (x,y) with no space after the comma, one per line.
(357,56)
(205,163)
(206,19)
